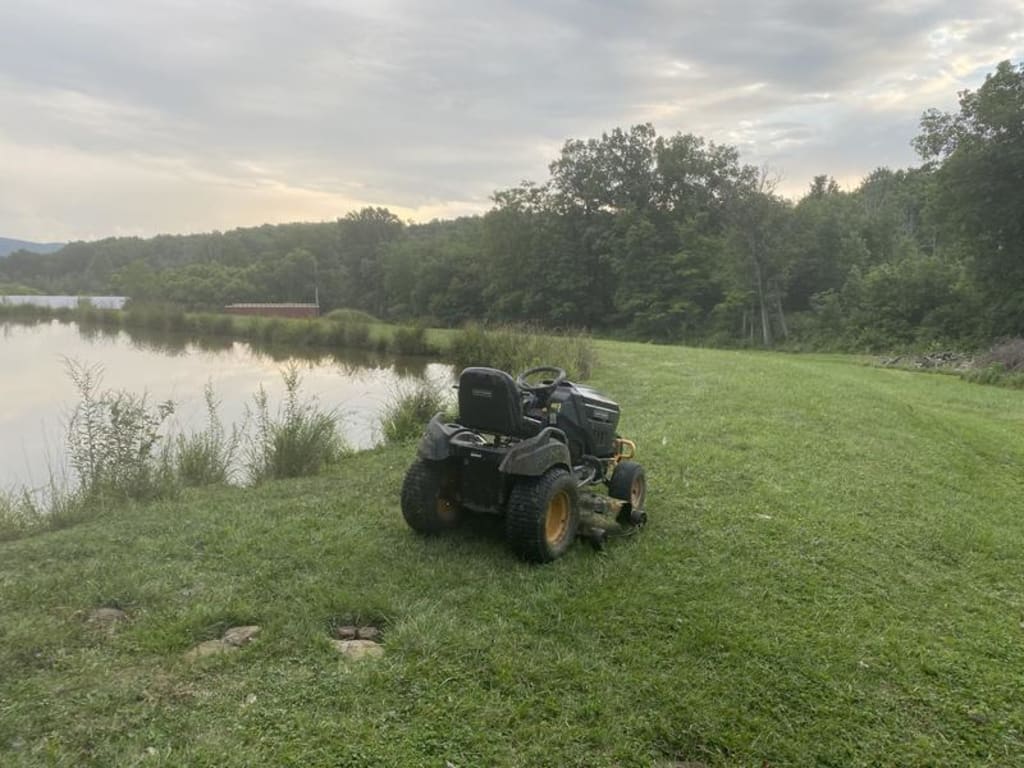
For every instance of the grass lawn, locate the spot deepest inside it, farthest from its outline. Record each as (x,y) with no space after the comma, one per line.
(833,575)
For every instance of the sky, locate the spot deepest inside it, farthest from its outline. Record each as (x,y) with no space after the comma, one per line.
(139,117)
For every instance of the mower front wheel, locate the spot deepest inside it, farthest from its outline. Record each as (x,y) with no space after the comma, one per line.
(543,515)
(428,496)
(629,483)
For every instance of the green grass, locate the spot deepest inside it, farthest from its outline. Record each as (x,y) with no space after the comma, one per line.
(831,576)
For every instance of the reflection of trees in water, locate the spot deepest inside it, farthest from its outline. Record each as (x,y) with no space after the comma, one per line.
(8,324)
(99,333)
(349,362)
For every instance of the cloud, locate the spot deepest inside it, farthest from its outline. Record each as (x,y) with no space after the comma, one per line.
(222,113)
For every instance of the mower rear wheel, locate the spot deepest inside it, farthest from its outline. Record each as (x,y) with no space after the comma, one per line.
(543,515)
(428,496)
(629,483)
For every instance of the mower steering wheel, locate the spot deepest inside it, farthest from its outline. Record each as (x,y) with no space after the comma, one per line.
(545,388)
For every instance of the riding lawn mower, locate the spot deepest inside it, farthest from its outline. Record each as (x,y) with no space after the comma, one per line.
(531,450)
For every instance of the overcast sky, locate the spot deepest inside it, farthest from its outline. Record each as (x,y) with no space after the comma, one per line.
(145,116)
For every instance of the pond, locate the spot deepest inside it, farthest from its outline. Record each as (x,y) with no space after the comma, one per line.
(37,395)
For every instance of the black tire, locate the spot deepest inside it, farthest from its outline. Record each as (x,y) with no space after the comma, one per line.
(543,515)
(629,483)
(428,496)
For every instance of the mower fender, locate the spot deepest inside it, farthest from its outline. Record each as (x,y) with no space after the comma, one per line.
(535,456)
(435,445)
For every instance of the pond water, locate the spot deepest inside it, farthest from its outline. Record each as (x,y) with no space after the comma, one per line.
(37,395)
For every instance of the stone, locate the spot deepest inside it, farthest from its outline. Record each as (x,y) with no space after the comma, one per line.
(368,633)
(209,648)
(358,649)
(231,640)
(346,632)
(107,616)
(239,636)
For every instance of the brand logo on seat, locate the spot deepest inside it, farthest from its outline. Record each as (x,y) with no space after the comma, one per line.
(483,393)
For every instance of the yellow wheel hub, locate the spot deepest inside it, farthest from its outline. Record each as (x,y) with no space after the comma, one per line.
(556,522)
(636,491)
(445,510)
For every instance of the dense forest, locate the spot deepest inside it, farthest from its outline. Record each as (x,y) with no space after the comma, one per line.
(666,238)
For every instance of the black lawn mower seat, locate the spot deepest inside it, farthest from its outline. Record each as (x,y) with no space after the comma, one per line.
(490,401)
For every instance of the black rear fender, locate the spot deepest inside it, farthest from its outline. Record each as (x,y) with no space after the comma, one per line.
(435,445)
(536,455)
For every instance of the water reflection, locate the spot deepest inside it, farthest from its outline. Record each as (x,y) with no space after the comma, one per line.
(36,395)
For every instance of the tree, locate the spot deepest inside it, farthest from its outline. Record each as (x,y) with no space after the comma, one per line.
(757,231)
(362,239)
(979,154)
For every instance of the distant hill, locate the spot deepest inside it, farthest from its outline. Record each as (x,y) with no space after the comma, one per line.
(9,245)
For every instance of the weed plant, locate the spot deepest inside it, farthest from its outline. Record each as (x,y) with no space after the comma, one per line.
(207,457)
(301,439)
(114,440)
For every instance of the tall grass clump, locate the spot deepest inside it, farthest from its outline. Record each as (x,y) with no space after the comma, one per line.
(19,514)
(301,439)
(169,318)
(25,511)
(515,348)
(207,457)
(410,409)
(410,340)
(357,335)
(212,324)
(114,440)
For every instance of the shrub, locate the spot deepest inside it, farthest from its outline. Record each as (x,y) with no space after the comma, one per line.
(516,348)
(300,440)
(410,409)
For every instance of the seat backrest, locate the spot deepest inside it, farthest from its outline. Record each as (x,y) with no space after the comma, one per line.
(489,401)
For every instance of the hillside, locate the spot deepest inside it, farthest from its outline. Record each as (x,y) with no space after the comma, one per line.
(10,245)
(831,576)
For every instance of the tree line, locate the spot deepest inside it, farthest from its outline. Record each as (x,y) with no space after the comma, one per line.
(663,238)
